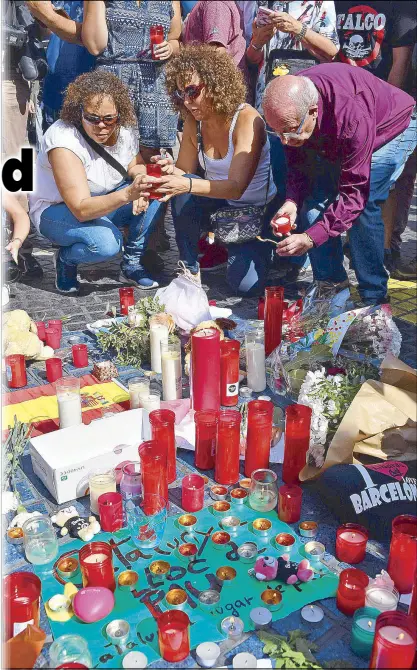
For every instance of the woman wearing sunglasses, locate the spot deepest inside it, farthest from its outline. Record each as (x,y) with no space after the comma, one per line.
(233,154)
(82,197)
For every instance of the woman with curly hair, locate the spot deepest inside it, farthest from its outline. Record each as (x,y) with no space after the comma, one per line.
(81,199)
(206,86)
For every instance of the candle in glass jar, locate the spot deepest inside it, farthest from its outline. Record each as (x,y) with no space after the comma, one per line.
(394,642)
(80,355)
(382,598)
(259,436)
(158,333)
(110,507)
(100,481)
(229,372)
(274,297)
(149,402)
(351,539)
(296,441)
(15,371)
(138,386)
(255,360)
(127,299)
(171,370)
(153,466)
(351,590)
(22,591)
(52,338)
(205,438)
(289,503)
(69,401)
(205,369)
(174,635)
(53,368)
(57,324)
(402,559)
(192,493)
(228,445)
(40,325)
(96,563)
(263,494)
(163,431)
(156,35)
(153,170)
(363,631)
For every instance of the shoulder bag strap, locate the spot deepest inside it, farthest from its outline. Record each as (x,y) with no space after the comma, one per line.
(100,150)
(200,146)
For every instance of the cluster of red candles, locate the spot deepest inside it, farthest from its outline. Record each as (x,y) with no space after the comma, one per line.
(158,455)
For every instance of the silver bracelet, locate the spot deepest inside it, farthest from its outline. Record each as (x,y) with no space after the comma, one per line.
(301,35)
(254,47)
(191,184)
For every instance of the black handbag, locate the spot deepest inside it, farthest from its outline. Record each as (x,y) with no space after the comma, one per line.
(280,62)
(236,225)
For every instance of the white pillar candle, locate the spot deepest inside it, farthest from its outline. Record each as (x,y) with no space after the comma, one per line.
(100,482)
(137,386)
(69,401)
(171,370)
(244,660)
(207,654)
(148,402)
(255,366)
(158,334)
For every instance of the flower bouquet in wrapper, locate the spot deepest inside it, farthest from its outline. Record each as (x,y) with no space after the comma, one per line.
(372,334)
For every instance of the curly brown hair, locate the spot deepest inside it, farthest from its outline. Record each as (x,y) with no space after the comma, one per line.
(97,84)
(224,83)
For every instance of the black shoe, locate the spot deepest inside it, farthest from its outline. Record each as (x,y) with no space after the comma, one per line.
(66,277)
(152,262)
(12,272)
(404,271)
(29,267)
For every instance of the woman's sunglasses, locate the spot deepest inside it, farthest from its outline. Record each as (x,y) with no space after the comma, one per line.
(109,120)
(191,92)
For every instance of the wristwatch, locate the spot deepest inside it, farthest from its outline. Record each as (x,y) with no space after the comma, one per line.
(311,240)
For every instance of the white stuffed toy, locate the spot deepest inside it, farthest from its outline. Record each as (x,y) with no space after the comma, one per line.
(20,336)
(76,526)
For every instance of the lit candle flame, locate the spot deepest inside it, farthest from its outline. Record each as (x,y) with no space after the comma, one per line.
(370,624)
(232,622)
(401,636)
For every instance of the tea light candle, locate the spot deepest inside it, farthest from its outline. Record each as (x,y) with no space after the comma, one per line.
(176,599)
(260,617)
(220,508)
(272,599)
(363,631)
(261,526)
(117,632)
(187,522)
(245,484)
(67,567)
(308,528)
(351,539)
(285,543)
(314,551)
(218,492)
(207,654)
(160,568)
(187,552)
(238,496)
(232,627)
(15,535)
(226,575)
(230,523)
(244,660)
(135,659)
(312,614)
(220,539)
(248,552)
(127,580)
(382,598)
(208,599)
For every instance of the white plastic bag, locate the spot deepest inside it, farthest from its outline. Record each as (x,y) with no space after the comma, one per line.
(186,301)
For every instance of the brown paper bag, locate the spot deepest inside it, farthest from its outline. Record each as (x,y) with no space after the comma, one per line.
(22,650)
(381,421)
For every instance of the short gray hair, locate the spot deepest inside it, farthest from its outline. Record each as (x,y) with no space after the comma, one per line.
(304,96)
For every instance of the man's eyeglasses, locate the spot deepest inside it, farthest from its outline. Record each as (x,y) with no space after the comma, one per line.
(288,136)
(109,120)
(191,92)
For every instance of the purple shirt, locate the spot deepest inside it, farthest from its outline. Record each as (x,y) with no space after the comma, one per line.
(357,114)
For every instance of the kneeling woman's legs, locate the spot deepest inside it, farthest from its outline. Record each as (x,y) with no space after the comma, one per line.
(90,242)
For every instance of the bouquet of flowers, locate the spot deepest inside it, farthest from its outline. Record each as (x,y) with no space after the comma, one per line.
(373,333)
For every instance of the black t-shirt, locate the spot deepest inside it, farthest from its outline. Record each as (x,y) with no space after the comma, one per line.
(369,31)
(370,495)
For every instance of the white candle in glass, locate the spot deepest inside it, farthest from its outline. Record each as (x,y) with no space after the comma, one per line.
(137,386)
(171,370)
(100,481)
(255,361)
(158,334)
(148,402)
(69,401)
(396,635)
(95,558)
(384,599)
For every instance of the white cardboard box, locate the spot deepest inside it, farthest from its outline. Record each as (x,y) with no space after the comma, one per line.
(63,459)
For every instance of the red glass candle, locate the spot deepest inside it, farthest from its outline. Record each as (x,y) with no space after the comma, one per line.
(296,441)
(163,430)
(394,642)
(351,539)
(205,438)
(229,372)
(174,635)
(226,469)
(283,224)
(22,591)
(351,590)
(192,493)
(402,561)
(40,325)
(205,369)
(80,355)
(153,467)
(127,299)
(274,297)
(154,170)
(156,34)
(412,610)
(53,369)
(261,308)
(289,503)
(96,563)
(110,508)
(52,338)
(16,371)
(56,323)
(259,435)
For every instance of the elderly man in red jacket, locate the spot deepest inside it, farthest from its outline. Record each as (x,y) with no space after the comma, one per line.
(347,137)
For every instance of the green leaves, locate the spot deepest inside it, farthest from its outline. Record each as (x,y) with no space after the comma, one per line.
(13,449)
(284,651)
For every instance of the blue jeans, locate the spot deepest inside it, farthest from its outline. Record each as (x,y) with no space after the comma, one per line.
(98,240)
(366,236)
(248,263)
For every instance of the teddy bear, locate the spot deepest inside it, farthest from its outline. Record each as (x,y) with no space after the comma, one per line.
(20,337)
(75,525)
(268,568)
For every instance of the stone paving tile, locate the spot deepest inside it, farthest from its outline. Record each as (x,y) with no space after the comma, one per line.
(100,284)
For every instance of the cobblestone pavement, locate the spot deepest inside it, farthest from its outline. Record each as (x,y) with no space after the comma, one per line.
(100,286)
